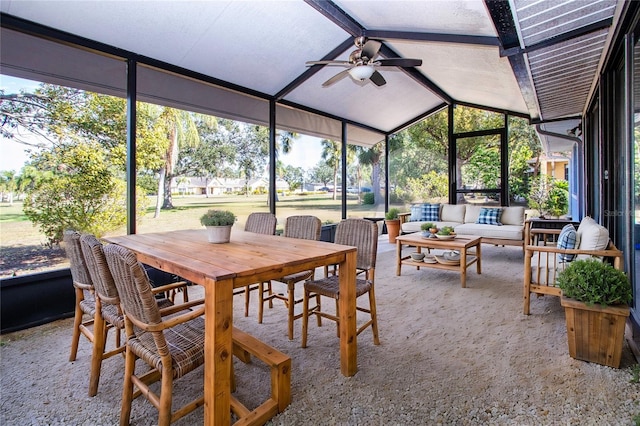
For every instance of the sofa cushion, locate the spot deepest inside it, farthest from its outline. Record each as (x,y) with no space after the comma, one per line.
(504,232)
(471,213)
(512,215)
(568,239)
(453,213)
(489,216)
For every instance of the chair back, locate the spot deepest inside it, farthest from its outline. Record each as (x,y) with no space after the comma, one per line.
(136,298)
(305,227)
(261,223)
(103,282)
(363,234)
(77,263)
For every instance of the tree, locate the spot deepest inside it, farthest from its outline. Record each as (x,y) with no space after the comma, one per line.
(321,173)
(8,185)
(371,157)
(294,176)
(252,149)
(331,154)
(180,130)
(77,189)
(212,157)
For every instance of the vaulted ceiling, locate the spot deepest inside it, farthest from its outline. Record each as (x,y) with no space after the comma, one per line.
(538,59)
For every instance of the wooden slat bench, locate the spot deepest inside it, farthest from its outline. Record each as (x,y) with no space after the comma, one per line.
(245,345)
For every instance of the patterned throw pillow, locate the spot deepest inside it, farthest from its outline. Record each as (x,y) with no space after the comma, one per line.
(431,212)
(568,239)
(425,212)
(416,213)
(489,216)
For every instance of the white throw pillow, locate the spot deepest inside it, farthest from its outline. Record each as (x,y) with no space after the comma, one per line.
(592,237)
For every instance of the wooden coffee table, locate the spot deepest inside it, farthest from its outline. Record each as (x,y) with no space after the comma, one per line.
(461,243)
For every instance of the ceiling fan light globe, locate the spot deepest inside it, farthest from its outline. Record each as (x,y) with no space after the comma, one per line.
(361,72)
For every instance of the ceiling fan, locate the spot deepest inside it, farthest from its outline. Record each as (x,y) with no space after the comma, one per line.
(362,63)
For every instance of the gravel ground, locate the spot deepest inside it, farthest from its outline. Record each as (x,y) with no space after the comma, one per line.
(448,356)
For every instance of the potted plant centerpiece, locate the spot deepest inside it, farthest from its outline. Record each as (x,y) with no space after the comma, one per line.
(595,296)
(429,229)
(393,224)
(218,223)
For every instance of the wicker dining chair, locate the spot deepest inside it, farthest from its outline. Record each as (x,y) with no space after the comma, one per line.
(362,234)
(108,313)
(172,346)
(85,303)
(260,223)
(303,227)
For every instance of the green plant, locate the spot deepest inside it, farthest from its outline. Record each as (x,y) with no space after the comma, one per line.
(427,226)
(368,198)
(591,281)
(392,214)
(218,218)
(635,374)
(446,230)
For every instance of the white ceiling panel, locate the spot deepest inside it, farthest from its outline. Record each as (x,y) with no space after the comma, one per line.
(468,17)
(471,73)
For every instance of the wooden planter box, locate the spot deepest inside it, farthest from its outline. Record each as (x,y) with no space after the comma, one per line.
(595,333)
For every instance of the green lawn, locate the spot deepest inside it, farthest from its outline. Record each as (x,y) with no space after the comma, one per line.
(15,228)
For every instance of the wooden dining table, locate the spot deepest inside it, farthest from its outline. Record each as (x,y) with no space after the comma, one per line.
(248,258)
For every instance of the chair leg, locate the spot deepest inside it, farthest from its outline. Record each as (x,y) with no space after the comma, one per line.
(127,387)
(338,316)
(374,316)
(261,301)
(305,318)
(166,390)
(99,343)
(77,322)
(246,300)
(75,339)
(291,302)
(319,309)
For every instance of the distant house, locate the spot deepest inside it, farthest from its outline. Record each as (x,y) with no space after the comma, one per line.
(219,186)
(556,166)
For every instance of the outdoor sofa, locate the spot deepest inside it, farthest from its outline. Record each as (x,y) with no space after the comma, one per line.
(496,225)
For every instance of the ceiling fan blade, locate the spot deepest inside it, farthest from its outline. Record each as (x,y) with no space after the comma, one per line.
(399,62)
(342,74)
(371,48)
(377,79)
(337,63)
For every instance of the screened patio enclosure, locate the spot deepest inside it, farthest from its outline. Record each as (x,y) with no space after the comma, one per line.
(567,67)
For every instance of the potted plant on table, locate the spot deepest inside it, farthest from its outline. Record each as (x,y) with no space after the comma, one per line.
(393,224)
(218,223)
(429,229)
(595,296)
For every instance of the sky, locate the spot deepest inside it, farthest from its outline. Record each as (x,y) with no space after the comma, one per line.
(305,150)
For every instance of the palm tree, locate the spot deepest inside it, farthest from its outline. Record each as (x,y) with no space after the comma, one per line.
(181,130)
(331,154)
(372,158)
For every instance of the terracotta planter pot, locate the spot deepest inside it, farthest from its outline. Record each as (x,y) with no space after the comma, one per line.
(595,333)
(219,234)
(393,229)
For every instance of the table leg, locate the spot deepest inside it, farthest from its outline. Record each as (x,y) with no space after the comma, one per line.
(347,314)
(463,267)
(479,259)
(218,351)
(398,257)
